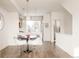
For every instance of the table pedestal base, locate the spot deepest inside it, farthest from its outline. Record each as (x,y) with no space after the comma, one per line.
(27,51)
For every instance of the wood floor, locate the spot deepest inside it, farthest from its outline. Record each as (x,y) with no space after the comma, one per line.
(47,50)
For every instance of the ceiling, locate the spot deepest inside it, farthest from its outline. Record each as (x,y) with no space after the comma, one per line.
(6,4)
(35,6)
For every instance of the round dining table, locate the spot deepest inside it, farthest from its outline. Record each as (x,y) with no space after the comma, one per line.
(27,38)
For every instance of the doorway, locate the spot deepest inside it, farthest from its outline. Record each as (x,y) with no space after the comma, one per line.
(34,28)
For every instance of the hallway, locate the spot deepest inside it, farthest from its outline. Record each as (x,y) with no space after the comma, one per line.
(39,23)
(47,50)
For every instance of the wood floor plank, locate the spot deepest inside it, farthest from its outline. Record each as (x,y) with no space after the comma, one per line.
(47,50)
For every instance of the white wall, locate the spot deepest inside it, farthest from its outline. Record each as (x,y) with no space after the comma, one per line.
(67,22)
(47,30)
(3,32)
(71,43)
(63,39)
(10,29)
